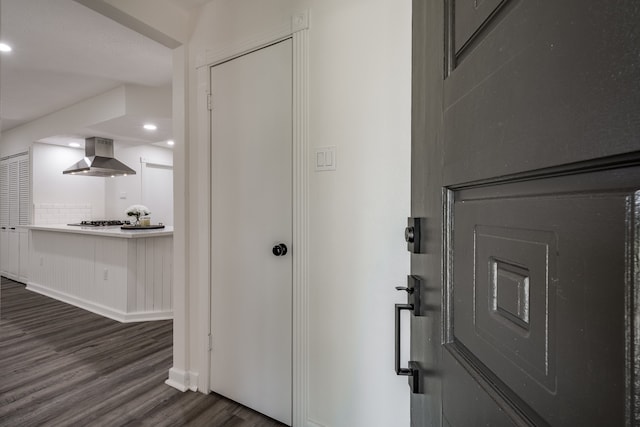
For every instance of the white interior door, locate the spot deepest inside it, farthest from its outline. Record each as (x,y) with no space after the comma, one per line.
(251,289)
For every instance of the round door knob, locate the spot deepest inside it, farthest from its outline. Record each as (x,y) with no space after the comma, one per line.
(280,249)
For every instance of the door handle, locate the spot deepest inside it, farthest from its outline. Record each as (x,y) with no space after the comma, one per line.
(413,371)
(399,308)
(414,294)
(414,306)
(280,249)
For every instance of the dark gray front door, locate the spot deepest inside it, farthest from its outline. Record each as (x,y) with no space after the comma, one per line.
(525,172)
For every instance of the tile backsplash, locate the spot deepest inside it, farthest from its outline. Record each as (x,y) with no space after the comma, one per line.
(60,213)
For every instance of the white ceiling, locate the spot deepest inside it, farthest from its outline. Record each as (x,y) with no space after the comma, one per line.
(64,52)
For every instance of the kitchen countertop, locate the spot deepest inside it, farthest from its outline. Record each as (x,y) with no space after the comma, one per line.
(115,231)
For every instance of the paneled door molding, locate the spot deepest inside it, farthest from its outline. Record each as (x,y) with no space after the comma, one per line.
(300,331)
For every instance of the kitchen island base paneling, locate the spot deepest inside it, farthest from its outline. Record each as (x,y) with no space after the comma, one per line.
(126,276)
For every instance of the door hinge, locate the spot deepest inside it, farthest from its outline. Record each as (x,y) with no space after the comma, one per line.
(210,342)
(209,102)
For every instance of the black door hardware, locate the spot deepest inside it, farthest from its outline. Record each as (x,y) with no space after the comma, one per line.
(413,235)
(414,293)
(280,249)
(413,289)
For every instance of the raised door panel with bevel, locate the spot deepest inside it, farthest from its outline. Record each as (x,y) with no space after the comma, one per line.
(540,85)
(537,296)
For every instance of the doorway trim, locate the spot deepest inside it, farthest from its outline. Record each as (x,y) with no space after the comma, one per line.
(297,30)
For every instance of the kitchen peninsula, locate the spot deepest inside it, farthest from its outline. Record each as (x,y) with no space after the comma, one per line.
(125,275)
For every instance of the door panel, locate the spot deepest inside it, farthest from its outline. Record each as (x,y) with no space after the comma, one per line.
(251,288)
(552,83)
(526,165)
(538,292)
(465,388)
(470,17)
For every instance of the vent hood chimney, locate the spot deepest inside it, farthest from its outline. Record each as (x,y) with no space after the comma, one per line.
(99,161)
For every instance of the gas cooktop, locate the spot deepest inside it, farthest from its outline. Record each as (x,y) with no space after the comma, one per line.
(102,223)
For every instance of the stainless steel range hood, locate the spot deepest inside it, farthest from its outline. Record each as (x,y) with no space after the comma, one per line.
(99,160)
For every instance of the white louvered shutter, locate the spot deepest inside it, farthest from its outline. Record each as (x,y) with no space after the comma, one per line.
(4,194)
(14,194)
(24,192)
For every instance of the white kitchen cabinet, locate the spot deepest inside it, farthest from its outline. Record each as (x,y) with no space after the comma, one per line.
(23,255)
(4,250)
(124,275)
(15,211)
(14,254)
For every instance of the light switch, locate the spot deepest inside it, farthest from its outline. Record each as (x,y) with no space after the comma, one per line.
(326,158)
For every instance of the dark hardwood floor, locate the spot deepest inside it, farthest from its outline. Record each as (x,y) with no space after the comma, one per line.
(64,366)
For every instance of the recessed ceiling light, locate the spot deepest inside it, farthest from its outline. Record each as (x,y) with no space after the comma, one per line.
(5,47)
(150,126)
(74,144)
(170,142)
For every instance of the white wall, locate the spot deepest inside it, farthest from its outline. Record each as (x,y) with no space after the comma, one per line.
(360,91)
(50,186)
(98,109)
(164,15)
(130,186)
(360,81)
(360,77)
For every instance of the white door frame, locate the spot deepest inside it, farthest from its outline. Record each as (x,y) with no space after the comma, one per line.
(297,31)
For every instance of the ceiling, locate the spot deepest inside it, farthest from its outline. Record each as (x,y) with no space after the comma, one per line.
(64,52)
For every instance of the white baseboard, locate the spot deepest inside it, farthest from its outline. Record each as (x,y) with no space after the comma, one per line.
(102,310)
(147,316)
(193,381)
(13,277)
(182,380)
(178,379)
